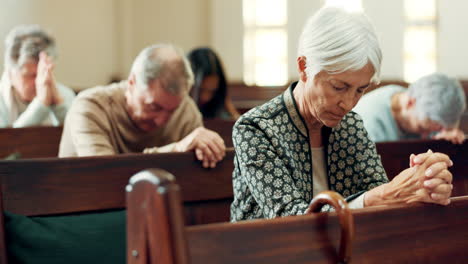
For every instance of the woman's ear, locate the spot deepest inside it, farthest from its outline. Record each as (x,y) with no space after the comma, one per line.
(301,67)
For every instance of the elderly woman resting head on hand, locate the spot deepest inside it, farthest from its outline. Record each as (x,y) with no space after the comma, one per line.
(308,140)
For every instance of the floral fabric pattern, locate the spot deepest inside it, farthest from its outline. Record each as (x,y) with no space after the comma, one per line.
(273,166)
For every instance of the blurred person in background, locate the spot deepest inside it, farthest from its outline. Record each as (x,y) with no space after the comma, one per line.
(210,88)
(30,95)
(432,107)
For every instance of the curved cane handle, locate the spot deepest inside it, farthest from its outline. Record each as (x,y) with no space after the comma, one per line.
(346,220)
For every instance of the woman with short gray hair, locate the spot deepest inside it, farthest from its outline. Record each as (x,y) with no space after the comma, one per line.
(308,140)
(30,96)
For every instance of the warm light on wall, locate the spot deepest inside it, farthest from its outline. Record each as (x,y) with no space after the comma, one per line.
(350,5)
(420,39)
(265,42)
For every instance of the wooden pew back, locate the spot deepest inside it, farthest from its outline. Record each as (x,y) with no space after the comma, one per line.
(418,233)
(56,185)
(464,123)
(159,236)
(222,127)
(60,186)
(30,142)
(49,187)
(395,158)
(51,181)
(43,142)
(245,97)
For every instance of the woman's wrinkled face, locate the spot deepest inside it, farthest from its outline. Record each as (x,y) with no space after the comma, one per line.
(329,97)
(208,89)
(23,80)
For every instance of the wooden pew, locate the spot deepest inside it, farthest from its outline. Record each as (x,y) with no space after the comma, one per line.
(39,242)
(159,237)
(86,180)
(245,97)
(222,127)
(464,123)
(395,158)
(53,178)
(419,233)
(63,186)
(30,142)
(43,142)
(56,187)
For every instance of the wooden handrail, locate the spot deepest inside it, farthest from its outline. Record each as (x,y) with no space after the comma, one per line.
(346,220)
(155,187)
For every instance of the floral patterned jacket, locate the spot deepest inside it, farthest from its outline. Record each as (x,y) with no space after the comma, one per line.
(273,165)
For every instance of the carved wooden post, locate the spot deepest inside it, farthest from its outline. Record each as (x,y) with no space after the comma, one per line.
(155,225)
(346,220)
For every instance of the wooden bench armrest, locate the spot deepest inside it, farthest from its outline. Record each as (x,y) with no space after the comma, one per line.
(154,206)
(346,220)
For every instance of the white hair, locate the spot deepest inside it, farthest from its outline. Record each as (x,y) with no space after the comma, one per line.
(335,41)
(24,43)
(439,98)
(167,64)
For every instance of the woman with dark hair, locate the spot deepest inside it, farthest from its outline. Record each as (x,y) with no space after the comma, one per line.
(210,88)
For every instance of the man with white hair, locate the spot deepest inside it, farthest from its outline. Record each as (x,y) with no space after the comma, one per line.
(431,106)
(30,96)
(150,112)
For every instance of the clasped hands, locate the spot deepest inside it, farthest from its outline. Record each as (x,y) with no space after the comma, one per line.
(454,135)
(46,90)
(427,180)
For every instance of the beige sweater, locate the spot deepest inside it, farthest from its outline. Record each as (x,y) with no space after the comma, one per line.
(98,124)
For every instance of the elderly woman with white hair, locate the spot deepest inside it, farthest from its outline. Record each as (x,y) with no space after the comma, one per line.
(431,106)
(308,140)
(30,96)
